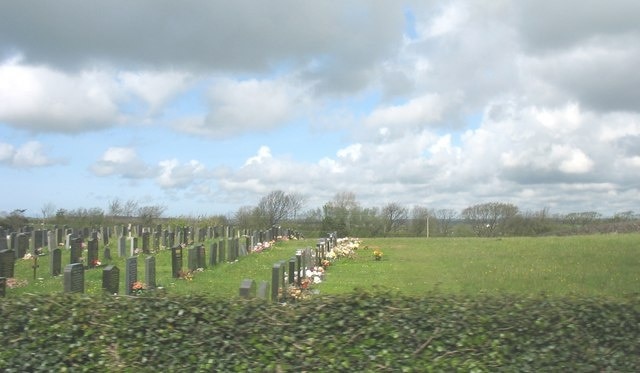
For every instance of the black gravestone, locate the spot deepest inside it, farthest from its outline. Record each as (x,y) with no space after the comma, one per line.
(111,279)
(74,278)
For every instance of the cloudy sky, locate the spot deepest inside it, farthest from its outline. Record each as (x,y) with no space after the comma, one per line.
(206,106)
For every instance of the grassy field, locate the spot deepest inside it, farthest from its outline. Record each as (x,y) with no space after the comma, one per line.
(598,265)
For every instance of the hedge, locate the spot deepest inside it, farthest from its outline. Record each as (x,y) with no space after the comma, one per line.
(362,331)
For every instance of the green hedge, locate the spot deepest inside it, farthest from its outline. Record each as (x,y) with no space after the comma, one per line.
(364,331)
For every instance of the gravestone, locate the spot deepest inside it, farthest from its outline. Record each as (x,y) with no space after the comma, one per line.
(299,266)
(248,288)
(111,279)
(105,235)
(192,258)
(171,239)
(22,245)
(275,281)
(76,250)
(3,240)
(3,287)
(92,253)
(134,246)
(122,246)
(51,241)
(150,271)
(74,278)
(146,242)
(7,263)
(176,261)
(201,257)
(106,256)
(263,290)
(221,252)
(55,262)
(213,254)
(291,271)
(130,274)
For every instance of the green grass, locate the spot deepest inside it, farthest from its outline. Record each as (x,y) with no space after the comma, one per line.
(598,265)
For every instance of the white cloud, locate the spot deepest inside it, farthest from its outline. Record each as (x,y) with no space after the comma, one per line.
(29,154)
(237,107)
(176,175)
(123,161)
(264,153)
(42,99)
(156,88)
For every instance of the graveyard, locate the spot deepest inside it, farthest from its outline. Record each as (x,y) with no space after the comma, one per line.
(222,299)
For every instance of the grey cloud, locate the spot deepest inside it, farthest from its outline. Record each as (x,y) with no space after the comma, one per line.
(203,35)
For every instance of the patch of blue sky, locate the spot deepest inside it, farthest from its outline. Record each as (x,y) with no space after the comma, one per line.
(410,24)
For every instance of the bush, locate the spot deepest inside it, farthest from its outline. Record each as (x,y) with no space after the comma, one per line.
(362,331)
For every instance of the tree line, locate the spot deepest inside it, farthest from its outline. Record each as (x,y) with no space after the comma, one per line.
(346,216)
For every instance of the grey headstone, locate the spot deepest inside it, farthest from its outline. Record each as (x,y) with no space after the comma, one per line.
(130,274)
(3,287)
(22,245)
(275,281)
(202,257)
(248,288)
(146,243)
(74,278)
(76,250)
(122,246)
(150,271)
(111,279)
(213,254)
(176,261)
(92,253)
(192,258)
(263,290)
(7,263)
(55,262)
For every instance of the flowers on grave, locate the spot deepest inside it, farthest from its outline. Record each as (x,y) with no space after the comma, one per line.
(95,263)
(185,275)
(377,254)
(325,263)
(13,283)
(261,246)
(138,287)
(27,256)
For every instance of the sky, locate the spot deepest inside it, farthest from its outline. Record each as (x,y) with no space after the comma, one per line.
(206,106)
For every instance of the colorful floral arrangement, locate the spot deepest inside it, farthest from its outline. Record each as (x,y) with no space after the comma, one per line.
(377,254)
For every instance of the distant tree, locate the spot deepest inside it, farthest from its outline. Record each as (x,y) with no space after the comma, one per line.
(130,208)
(148,214)
(275,207)
(245,217)
(485,219)
(339,213)
(445,218)
(420,221)
(116,208)
(394,216)
(48,210)
(14,220)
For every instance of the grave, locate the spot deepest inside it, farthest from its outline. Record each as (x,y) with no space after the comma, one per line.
(92,253)
(55,262)
(263,290)
(3,287)
(213,254)
(7,263)
(111,279)
(130,274)
(201,257)
(76,250)
(146,243)
(74,278)
(122,246)
(248,288)
(150,271)
(176,261)
(22,245)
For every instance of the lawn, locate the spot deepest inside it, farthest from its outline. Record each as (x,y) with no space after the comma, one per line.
(598,265)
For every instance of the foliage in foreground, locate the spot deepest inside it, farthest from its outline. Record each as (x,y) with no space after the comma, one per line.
(361,331)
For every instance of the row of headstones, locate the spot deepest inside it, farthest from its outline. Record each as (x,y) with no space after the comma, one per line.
(73,280)
(219,252)
(290,272)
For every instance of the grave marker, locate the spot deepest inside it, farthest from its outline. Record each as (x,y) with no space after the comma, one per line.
(176,261)
(263,290)
(76,250)
(213,254)
(7,263)
(111,279)
(92,253)
(248,288)
(150,271)
(55,262)
(74,278)
(3,287)
(130,274)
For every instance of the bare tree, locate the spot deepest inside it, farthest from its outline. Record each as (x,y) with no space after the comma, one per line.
(394,216)
(486,218)
(275,207)
(420,220)
(445,219)
(297,201)
(48,210)
(130,208)
(244,217)
(147,214)
(115,208)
